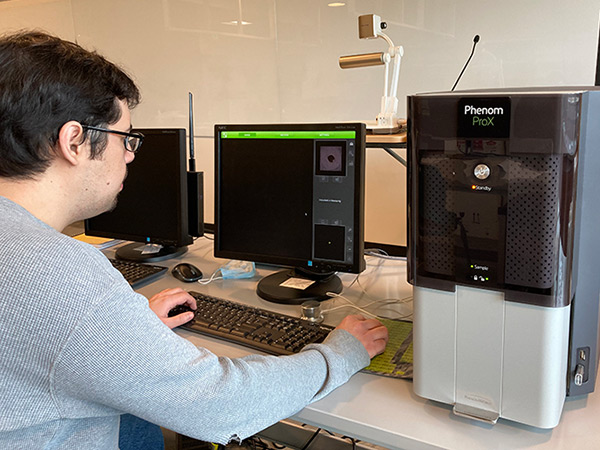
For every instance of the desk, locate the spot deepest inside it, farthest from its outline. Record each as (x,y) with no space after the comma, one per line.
(382,410)
(388,142)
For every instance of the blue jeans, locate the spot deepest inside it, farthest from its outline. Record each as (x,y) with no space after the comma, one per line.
(138,434)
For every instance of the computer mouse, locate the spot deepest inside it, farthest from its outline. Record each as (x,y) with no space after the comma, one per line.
(186,272)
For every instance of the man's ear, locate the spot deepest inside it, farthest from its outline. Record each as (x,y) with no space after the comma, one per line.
(70,144)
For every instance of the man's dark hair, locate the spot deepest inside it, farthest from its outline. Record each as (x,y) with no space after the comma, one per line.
(46,82)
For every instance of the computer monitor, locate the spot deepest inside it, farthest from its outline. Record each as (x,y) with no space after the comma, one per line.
(152,208)
(292,195)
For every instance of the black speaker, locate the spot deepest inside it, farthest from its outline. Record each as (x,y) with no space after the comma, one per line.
(196,203)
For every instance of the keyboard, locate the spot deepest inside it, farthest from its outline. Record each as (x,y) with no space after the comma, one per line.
(259,329)
(136,273)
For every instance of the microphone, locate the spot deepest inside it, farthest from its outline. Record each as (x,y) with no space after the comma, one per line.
(475,41)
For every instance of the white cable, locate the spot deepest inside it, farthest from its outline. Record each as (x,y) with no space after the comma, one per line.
(381,256)
(351,304)
(386,301)
(212,278)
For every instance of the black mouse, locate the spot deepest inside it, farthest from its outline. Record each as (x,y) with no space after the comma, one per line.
(186,272)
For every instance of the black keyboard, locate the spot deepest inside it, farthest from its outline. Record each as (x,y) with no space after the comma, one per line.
(136,273)
(252,327)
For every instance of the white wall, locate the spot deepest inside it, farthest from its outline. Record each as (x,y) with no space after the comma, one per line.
(282,67)
(52,16)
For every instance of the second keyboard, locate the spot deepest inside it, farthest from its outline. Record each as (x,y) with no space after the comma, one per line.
(136,273)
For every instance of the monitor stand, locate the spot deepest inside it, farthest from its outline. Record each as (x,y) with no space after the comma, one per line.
(270,287)
(134,252)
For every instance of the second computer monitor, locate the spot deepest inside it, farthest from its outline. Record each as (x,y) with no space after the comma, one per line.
(292,195)
(152,208)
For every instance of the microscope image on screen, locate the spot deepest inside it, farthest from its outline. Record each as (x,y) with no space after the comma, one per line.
(331,158)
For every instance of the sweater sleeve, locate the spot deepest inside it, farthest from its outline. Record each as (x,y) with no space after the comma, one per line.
(122,358)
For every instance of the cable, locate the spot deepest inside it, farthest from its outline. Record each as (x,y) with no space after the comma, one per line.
(352,440)
(379,253)
(351,304)
(256,443)
(212,278)
(311,439)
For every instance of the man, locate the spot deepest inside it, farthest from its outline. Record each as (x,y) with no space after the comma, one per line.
(78,346)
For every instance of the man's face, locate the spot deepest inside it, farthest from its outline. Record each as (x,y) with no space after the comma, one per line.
(105,175)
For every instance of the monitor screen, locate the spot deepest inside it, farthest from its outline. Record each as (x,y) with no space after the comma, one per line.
(292,195)
(152,207)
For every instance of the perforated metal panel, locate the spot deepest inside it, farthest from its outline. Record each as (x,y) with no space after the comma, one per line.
(531,242)
(439,219)
(532,215)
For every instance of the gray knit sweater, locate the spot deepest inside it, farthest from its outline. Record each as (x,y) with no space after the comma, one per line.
(78,347)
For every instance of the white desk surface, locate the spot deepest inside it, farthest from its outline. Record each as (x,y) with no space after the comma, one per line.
(382,410)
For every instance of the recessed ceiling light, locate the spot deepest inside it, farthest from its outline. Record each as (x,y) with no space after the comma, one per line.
(336,4)
(237,22)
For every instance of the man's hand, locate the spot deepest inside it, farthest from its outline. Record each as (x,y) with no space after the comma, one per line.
(370,332)
(165,301)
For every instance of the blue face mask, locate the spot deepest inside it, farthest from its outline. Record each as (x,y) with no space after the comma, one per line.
(238,269)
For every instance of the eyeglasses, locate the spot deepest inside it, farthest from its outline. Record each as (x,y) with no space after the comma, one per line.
(132,141)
